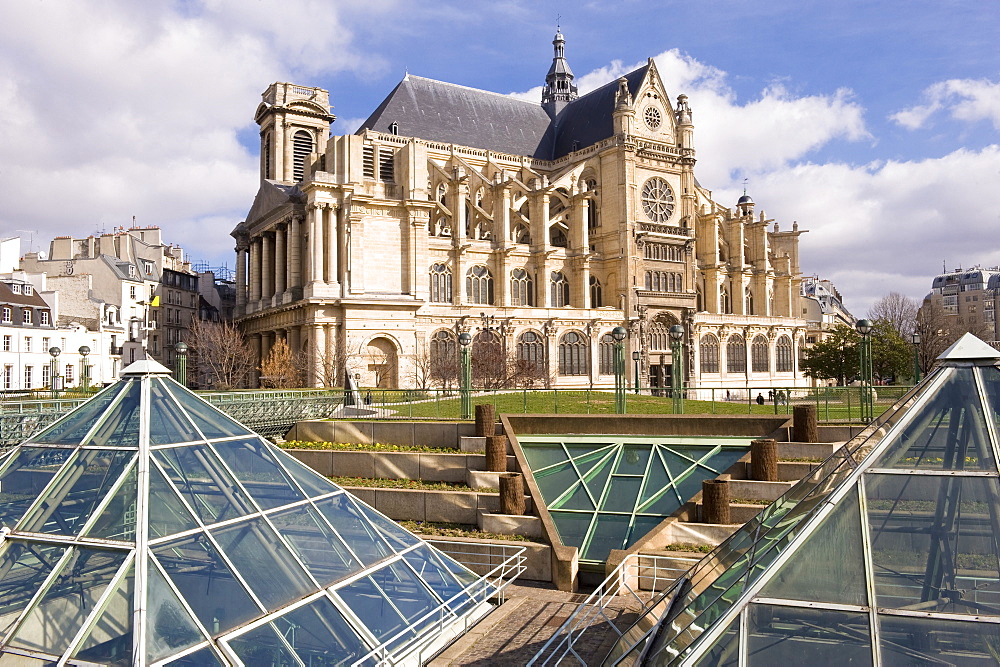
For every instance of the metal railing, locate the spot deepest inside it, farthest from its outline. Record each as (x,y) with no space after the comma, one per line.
(639,578)
(398,648)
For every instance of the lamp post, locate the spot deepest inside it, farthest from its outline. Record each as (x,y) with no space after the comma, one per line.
(618,334)
(180,363)
(677,372)
(915,338)
(465,340)
(85,371)
(864,328)
(54,371)
(635,358)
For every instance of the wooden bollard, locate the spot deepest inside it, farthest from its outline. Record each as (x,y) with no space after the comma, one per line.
(511,493)
(764,460)
(486,420)
(496,453)
(804,424)
(715,501)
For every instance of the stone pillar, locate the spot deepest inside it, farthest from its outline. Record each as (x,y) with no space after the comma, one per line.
(330,243)
(257,345)
(267,269)
(241,279)
(280,263)
(318,354)
(316,243)
(255,244)
(295,252)
(294,339)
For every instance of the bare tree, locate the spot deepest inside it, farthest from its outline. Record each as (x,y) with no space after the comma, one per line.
(329,369)
(220,355)
(496,367)
(898,310)
(282,369)
(939,329)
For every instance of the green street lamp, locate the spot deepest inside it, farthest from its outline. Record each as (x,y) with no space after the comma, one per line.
(465,340)
(864,328)
(180,363)
(85,371)
(54,371)
(635,357)
(915,339)
(618,334)
(677,372)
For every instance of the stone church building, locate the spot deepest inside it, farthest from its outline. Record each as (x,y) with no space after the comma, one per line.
(535,227)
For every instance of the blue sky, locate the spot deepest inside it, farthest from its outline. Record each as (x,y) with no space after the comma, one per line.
(873,124)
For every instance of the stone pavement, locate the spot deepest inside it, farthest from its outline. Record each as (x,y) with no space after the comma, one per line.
(514,632)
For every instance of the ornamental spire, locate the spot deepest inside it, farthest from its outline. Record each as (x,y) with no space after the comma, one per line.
(559,88)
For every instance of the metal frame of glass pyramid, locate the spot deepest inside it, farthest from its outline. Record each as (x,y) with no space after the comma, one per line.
(887,554)
(148,528)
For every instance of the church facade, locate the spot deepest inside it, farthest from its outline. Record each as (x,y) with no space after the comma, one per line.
(535,228)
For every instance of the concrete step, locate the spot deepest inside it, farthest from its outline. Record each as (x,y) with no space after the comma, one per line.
(511,524)
(754,490)
(738,512)
(807,450)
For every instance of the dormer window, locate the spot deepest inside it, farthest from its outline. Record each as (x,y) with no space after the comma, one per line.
(15,288)
(131,271)
(7,315)
(147,268)
(26,315)
(45,318)
(27,290)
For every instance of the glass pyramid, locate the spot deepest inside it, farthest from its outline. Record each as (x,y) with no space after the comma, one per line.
(147,528)
(888,554)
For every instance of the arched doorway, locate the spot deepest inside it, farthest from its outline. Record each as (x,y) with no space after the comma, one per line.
(382,362)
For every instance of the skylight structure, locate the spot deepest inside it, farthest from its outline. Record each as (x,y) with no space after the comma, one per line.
(888,554)
(148,528)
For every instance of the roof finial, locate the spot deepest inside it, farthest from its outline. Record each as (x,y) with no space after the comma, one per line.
(559,88)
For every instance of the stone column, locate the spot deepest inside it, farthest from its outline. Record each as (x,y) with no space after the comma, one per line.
(318,354)
(241,279)
(256,344)
(294,339)
(267,269)
(316,243)
(295,253)
(330,242)
(255,244)
(280,263)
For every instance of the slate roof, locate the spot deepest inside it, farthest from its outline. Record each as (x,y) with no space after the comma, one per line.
(445,112)
(271,195)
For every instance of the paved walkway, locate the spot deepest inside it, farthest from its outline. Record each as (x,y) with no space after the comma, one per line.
(514,632)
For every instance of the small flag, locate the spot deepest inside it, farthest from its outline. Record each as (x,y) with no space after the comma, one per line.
(155,303)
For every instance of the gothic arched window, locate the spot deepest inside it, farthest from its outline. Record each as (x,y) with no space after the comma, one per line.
(572,354)
(759,361)
(479,285)
(595,293)
(559,289)
(783,355)
(736,354)
(522,288)
(440,275)
(709,353)
(531,350)
(443,356)
(606,350)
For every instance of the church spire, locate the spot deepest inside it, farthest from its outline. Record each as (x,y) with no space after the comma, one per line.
(559,89)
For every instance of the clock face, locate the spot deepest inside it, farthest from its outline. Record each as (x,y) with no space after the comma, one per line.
(653,117)
(657,199)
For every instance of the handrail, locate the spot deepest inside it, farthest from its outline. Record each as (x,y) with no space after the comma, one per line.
(635,575)
(443,616)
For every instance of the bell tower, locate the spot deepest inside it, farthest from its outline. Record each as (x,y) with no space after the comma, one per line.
(559,88)
(294,126)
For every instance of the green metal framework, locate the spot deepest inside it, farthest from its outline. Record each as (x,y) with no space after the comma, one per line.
(887,554)
(606,493)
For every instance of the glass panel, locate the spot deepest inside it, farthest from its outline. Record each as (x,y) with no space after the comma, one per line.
(120,426)
(169,627)
(212,422)
(391,531)
(576,499)
(253,464)
(409,596)
(71,598)
(554,481)
(610,532)
(374,610)
(204,483)
(207,584)
(24,478)
(72,428)
(656,480)
(622,495)
(542,455)
(109,641)
(439,579)
(316,545)
(725,652)
(81,485)
(352,527)
(117,519)
(597,478)
(948,433)
(800,636)
(934,542)
(935,641)
(264,562)
(167,514)
(572,526)
(633,460)
(25,566)
(829,565)
(311,482)
(205,657)
(990,376)
(320,636)
(262,646)
(167,422)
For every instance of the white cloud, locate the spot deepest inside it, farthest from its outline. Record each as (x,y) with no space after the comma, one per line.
(969,100)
